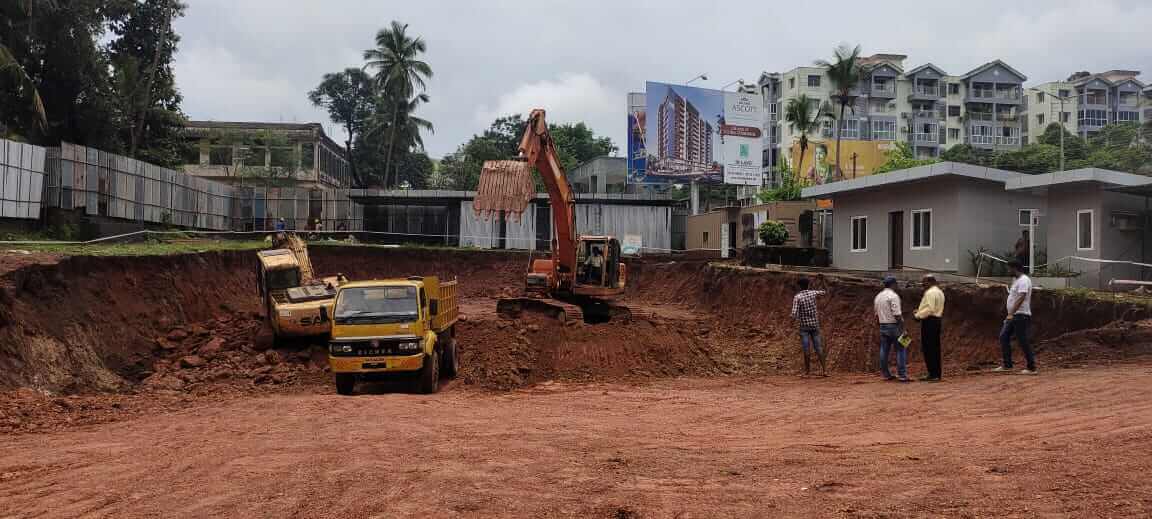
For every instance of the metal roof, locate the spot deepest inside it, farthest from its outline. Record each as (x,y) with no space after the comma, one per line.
(1100,176)
(939,169)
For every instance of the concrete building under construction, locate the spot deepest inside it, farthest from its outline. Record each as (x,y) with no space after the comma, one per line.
(684,135)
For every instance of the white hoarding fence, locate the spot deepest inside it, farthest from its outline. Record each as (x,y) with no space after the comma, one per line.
(21,179)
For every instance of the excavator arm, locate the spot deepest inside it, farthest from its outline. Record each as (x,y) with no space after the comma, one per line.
(539,150)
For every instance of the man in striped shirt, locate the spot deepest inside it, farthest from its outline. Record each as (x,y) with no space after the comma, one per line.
(806,316)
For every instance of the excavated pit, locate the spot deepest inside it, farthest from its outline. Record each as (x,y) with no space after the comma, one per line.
(191,323)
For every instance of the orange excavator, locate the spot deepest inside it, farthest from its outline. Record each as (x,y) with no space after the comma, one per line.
(585,273)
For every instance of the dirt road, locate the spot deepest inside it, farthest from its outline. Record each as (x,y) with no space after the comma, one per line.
(1068,443)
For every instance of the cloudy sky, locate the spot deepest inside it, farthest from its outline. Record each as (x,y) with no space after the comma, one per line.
(257,59)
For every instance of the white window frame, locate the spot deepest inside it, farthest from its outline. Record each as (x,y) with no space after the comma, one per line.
(912,229)
(852,234)
(819,80)
(1091,229)
(1031,214)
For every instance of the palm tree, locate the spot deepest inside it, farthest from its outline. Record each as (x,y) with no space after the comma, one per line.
(844,73)
(399,70)
(394,124)
(803,115)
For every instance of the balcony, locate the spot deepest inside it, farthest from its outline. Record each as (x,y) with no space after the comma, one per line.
(927,92)
(981,140)
(980,116)
(928,114)
(931,139)
(997,95)
(884,90)
(1007,141)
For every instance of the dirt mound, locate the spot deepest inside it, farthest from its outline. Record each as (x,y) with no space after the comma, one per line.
(753,305)
(1115,341)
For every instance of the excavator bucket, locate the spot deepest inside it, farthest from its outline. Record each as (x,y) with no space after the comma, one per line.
(505,185)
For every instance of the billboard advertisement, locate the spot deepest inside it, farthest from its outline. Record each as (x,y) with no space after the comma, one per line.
(688,134)
(637,109)
(860,158)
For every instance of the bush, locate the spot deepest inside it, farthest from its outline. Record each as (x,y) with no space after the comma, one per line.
(773,233)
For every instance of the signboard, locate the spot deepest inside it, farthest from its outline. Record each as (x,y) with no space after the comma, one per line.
(632,244)
(688,134)
(724,240)
(860,158)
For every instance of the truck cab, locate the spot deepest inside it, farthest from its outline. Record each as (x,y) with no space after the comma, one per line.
(393,328)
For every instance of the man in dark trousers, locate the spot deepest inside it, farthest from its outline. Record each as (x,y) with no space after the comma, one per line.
(1018,322)
(930,314)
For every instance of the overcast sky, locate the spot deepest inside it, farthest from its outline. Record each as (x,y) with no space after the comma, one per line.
(257,59)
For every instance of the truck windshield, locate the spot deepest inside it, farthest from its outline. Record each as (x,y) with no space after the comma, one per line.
(382,304)
(282,279)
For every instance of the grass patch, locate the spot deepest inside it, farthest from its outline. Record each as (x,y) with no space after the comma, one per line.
(145,248)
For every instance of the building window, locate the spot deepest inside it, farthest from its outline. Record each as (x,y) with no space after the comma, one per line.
(1127,117)
(922,229)
(1065,117)
(1084,225)
(826,129)
(220,156)
(1040,120)
(791,83)
(705,237)
(1092,117)
(953,89)
(850,129)
(953,134)
(1026,217)
(1039,97)
(1065,93)
(814,81)
(954,111)
(859,234)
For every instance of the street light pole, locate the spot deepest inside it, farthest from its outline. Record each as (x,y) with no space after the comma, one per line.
(701,76)
(1060,121)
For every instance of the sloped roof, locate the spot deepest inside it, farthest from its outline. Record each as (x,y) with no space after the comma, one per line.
(1106,177)
(926,66)
(991,64)
(939,169)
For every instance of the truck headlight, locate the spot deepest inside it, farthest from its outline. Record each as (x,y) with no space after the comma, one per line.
(340,348)
(410,346)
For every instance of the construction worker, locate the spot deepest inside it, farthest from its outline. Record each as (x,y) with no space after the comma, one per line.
(594,266)
(281,225)
(805,314)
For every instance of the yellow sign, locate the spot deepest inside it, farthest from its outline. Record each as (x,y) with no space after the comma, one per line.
(860,158)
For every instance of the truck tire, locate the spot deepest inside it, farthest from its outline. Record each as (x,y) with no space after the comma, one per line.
(429,380)
(345,383)
(451,359)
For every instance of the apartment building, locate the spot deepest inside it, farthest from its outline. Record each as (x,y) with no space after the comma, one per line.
(683,134)
(1086,102)
(923,106)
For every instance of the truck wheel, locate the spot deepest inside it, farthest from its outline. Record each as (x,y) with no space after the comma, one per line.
(429,380)
(345,383)
(451,359)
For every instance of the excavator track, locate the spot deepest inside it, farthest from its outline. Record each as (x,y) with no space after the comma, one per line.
(513,307)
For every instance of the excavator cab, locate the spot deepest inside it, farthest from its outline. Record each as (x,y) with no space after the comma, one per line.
(598,265)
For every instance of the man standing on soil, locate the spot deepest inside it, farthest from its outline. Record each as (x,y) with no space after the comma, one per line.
(1018,322)
(887,307)
(929,314)
(806,316)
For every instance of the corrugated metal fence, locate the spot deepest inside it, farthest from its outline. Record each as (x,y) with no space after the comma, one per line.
(114,186)
(21,179)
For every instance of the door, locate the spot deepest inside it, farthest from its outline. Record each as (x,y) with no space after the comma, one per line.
(896,239)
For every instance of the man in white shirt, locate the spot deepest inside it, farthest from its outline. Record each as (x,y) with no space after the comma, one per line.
(595,267)
(887,308)
(1018,321)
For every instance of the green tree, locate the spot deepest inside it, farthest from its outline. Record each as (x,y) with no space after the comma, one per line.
(575,144)
(350,98)
(902,157)
(803,115)
(22,84)
(844,74)
(400,74)
(1074,147)
(58,45)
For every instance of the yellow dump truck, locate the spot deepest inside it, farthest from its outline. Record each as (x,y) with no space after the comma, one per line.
(394,328)
(289,291)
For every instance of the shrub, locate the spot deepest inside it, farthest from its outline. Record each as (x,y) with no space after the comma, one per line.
(773,233)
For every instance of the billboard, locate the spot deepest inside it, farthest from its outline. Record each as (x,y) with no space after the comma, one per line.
(860,158)
(688,134)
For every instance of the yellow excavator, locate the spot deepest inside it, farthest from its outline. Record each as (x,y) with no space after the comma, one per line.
(290,292)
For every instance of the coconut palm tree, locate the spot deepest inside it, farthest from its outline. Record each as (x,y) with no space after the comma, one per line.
(399,70)
(395,125)
(844,73)
(803,115)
